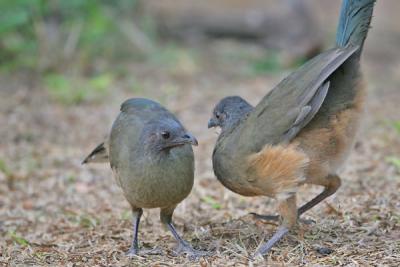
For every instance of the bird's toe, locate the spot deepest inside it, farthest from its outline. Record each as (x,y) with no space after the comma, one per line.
(135,252)
(132,252)
(276,218)
(151,251)
(306,221)
(265,217)
(193,254)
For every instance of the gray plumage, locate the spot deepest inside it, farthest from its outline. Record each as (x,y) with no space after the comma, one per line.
(153,172)
(152,159)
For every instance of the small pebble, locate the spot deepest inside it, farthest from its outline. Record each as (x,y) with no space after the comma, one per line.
(324,251)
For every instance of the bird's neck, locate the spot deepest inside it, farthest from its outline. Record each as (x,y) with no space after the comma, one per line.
(234,120)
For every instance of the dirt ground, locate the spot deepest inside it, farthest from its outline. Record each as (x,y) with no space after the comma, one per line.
(56,212)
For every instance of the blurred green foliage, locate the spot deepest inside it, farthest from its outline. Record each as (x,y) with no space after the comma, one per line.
(4,169)
(269,64)
(126,215)
(83,220)
(87,221)
(76,48)
(272,62)
(46,34)
(395,161)
(212,202)
(18,239)
(75,91)
(396,126)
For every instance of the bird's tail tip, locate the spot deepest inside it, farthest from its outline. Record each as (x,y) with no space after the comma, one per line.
(354,22)
(99,154)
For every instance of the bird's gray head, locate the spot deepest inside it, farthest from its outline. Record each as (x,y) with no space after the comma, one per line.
(228,112)
(165,134)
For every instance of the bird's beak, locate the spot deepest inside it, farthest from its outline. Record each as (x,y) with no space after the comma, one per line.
(189,139)
(212,123)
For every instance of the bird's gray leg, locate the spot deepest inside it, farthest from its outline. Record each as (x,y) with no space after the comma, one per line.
(288,211)
(183,246)
(333,183)
(266,247)
(136,215)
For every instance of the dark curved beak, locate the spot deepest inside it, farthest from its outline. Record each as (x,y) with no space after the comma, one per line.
(189,139)
(212,123)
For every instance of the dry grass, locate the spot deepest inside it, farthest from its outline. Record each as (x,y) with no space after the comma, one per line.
(55,212)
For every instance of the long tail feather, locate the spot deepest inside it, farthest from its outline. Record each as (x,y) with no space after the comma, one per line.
(354,21)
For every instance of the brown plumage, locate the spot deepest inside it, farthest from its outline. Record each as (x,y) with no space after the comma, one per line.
(300,132)
(328,147)
(272,176)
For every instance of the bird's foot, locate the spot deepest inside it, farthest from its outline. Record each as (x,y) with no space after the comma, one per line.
(276,218)
(306,221)
(193,254)
(266,247)
(134,252)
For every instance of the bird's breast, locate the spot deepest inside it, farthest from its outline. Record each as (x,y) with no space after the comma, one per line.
(158,182)
(230,170)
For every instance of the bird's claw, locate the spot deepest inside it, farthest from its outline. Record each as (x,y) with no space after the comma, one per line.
(135,252)
(256,258)
(193,254)
(306,221)
(132,252)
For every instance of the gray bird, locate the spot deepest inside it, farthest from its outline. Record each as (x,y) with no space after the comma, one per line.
(151,156)
(300,132)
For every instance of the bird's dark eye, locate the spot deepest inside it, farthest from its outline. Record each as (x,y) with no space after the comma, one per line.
(165,135)
(217,115)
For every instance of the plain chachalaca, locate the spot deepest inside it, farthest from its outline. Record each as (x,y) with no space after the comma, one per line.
(302,131)
(152,160)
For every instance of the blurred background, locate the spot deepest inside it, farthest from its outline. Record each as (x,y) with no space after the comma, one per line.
(65,67)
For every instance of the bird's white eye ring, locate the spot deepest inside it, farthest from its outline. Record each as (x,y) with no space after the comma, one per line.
(165,134)
(217,115)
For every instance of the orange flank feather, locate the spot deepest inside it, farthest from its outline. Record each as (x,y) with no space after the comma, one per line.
(277,171)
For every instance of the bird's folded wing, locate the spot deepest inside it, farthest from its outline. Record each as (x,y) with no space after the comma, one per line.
(291,105)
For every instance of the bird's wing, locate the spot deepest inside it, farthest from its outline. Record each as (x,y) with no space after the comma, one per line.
(291,105)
